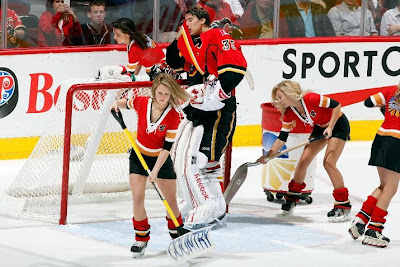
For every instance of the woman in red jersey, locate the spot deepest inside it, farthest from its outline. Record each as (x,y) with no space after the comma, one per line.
(325,116)
(385,156)
(158,121)
(142,51)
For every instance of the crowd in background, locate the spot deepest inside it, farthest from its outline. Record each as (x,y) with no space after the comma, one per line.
(89,22)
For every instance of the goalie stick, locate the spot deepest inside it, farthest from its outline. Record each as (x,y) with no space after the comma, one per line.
(189,244)
(241,173)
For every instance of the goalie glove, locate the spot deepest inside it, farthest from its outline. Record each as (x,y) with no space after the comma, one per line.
(197,93)
(114,72)
(212,100)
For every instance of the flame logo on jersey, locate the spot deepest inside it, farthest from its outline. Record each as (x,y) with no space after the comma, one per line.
(393,109)
(161,128)
(278,170)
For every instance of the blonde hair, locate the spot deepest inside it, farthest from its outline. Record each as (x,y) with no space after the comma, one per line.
(291,89)
(177,93)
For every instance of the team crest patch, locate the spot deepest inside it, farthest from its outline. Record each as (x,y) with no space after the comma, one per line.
(313,113)
(8,92)
(161,128)
(393,109)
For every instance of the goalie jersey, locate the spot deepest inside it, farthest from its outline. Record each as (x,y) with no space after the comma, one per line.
(152,137)
(213,52)
(317,112)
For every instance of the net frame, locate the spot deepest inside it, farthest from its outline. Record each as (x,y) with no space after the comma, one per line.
(68,127)
(66,151)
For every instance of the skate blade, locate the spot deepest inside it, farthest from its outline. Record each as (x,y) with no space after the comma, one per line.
(344,218)
(287,212)
(137,254)
(354,234)
(374,243)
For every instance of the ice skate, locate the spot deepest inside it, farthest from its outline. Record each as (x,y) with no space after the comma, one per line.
(138,248)
(376,239)
(288,207)
(357,228)
(340,213)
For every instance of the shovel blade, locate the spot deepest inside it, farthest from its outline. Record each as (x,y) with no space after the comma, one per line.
(190,245)
(236,182)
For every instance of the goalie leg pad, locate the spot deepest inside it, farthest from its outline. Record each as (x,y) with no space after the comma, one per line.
(178,152)
(213,209)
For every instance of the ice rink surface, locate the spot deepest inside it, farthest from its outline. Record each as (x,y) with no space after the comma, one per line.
(256,233)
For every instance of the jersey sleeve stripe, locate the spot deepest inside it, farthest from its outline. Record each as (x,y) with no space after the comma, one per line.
(324,102)
(233,68)
(286,126)
(132,66)
(129,104)
(378,99)
(170,136)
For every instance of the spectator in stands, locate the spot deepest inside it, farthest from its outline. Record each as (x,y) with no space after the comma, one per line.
(97,31)
(218,10)
(59,25)
(346,18)
(377,10)
(390,24)
(16,31)
(306,19)
(257,21)
(236,7)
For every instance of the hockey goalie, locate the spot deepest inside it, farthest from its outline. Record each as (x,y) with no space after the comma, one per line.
(215,65)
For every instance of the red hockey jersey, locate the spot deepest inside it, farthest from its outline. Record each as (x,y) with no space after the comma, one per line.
(152,135)
(391,124)
(146,57)
(217,53)
(317,112)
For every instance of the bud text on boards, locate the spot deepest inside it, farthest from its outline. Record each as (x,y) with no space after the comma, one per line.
(41,91)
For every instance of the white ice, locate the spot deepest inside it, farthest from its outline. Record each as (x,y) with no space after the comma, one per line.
(257,234)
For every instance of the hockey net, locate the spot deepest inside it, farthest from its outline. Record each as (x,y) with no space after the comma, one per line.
(82,156)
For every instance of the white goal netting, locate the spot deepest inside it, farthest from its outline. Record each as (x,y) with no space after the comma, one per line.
(98,165)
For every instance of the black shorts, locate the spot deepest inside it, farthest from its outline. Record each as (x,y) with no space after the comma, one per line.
(166,171)
(341,129)
(385,153)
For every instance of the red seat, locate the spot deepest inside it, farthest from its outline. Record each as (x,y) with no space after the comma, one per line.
(19,8)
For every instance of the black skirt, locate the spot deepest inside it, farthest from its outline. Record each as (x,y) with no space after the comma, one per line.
(166,171)
(341,129)
(385,153)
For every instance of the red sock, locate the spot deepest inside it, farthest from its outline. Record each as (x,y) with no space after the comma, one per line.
(341,197)
(171,224)
(377,219)
(142,229)
(294,191)
(367,209)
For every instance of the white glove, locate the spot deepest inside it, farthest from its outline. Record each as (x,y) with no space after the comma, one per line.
(212,101)
(114,72)
(197,93)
